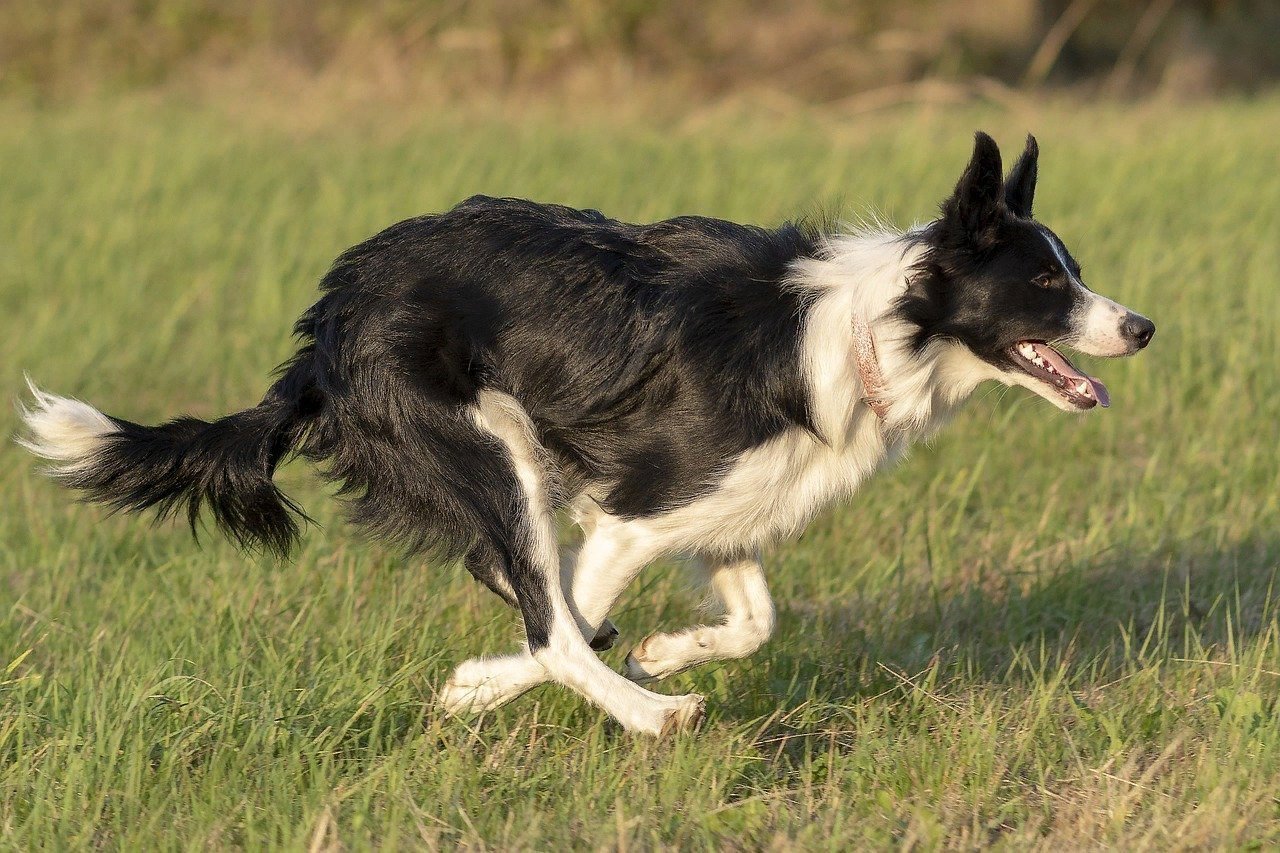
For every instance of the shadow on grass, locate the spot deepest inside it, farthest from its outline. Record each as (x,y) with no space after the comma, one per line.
(973,648)
(1094,620)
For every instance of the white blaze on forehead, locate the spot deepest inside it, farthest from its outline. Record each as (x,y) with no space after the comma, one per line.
(1058,253)
(1097,322)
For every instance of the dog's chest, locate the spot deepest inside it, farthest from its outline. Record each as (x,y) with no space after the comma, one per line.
(772,492)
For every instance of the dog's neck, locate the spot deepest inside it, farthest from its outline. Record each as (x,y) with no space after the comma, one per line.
(864,352)
(867,381)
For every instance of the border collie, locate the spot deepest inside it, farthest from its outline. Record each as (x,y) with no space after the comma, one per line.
(691,387)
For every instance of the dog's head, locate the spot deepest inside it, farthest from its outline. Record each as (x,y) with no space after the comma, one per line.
(1006,289)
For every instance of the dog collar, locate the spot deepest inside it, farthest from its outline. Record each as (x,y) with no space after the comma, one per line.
(864,350)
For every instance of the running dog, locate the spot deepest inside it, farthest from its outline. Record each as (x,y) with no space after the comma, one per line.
(692,387)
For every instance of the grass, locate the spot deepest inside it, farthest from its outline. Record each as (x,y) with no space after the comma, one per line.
(1041,630)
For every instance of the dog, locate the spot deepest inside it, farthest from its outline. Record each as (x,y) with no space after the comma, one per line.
(690,387)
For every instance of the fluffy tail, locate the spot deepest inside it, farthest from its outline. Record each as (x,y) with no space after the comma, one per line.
(185,464)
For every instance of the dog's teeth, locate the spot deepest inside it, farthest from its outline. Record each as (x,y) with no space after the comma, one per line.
(1083,387)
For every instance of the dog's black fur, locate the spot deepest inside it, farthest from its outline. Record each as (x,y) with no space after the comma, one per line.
(648,357)
(985,250)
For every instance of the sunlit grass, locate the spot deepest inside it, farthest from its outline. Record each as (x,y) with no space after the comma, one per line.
(1039,630)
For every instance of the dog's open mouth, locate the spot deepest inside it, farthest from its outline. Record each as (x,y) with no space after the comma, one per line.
(1051,367)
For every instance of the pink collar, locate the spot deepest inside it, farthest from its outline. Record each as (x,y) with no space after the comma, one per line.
(864,350)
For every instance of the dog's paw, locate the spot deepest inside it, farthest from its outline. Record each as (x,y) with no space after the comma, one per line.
(472,690)
(688,716)
(464,700)
(659,656)
(605,637)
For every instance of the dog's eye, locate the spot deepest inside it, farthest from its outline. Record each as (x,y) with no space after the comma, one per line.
(1048,279)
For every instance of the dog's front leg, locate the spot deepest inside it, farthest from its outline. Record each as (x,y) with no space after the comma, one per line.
(748,623)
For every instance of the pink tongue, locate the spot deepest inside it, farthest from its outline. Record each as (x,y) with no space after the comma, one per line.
(1099,391)
(1061,365)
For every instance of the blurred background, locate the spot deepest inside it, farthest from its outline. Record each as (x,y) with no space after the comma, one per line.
(1039,632)
(851,55)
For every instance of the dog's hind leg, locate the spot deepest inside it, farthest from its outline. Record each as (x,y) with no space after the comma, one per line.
(483,563)
(556,642)
(485,566)
(554,633)
(748,623)
(613,553)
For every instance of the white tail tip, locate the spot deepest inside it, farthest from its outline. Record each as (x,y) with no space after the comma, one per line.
(67,432)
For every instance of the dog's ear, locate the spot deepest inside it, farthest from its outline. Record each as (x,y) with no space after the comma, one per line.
(1020,186)
(975,206)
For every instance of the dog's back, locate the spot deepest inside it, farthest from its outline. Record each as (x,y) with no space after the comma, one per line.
(646,357)
(688,386)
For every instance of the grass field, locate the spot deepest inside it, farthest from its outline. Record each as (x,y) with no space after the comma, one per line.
(1041,630)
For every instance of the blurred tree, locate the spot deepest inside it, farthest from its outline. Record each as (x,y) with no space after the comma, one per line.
(812,50)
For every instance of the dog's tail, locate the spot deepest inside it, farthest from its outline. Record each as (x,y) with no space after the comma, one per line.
(187,463)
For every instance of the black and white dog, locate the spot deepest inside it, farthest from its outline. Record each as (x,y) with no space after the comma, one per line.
(691,387)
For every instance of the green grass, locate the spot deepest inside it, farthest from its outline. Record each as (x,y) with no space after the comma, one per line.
(1042,629)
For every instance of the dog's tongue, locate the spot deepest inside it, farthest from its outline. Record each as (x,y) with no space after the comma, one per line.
(1065,367)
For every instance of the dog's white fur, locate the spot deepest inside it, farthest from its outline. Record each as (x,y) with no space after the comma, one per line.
(771,492)
(1098,319)
(67,432)
(567,659)
(768,493)
(739,585)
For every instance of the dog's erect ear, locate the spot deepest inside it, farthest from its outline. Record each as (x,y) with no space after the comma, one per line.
(1020,186)
(975,205)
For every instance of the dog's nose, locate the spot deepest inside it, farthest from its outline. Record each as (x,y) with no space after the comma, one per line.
(1138,329)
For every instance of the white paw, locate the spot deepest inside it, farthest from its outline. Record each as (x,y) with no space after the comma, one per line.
(667,716)
(687,716)
(474,688)
(662,655)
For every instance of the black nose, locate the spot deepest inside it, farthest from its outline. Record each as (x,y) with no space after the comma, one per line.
(1139,329)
